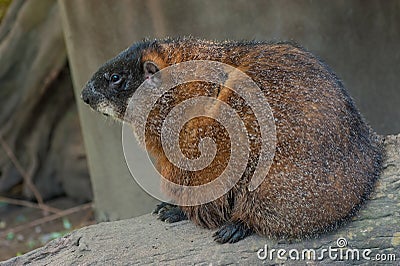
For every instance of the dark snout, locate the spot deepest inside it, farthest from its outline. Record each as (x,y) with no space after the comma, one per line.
(85,96)
(90,96)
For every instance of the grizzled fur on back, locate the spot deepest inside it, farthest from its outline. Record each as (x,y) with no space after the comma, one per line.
(327,158)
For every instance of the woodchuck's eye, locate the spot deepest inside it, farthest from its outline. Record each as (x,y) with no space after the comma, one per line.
(115,79)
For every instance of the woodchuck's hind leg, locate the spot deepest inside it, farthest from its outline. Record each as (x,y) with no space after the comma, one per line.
(169,213)
(232,232)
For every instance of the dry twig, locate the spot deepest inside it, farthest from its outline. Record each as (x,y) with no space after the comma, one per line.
(29,204)
(47,219)
(26,176)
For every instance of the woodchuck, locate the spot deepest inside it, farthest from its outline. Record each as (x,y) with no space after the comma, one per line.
(326,160)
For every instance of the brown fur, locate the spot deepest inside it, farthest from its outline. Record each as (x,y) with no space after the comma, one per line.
(327,158)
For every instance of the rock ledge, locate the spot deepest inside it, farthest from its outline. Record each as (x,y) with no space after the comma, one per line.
(145,240)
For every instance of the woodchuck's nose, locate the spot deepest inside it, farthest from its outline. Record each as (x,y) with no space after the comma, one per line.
(85,96)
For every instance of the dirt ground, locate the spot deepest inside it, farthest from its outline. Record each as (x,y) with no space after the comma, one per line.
(33,228)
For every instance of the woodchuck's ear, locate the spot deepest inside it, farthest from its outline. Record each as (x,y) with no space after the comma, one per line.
(150,68)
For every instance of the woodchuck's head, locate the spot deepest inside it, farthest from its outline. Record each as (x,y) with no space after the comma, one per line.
(110,88)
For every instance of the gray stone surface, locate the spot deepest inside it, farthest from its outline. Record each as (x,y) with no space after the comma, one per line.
(146,240)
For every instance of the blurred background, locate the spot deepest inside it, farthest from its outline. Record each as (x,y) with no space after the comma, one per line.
(50,141)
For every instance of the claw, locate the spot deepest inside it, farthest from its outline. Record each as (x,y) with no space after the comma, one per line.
(169,213)
(232,232)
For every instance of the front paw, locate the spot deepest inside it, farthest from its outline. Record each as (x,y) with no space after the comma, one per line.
(169,213)
(232,232)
